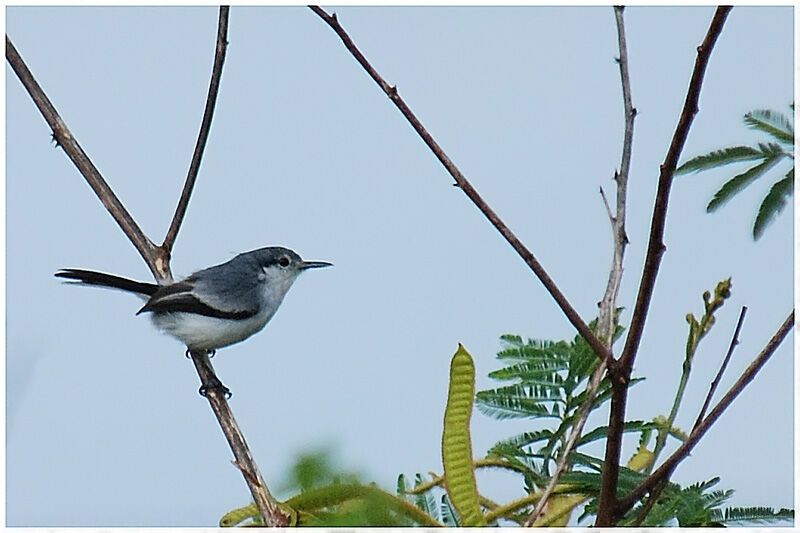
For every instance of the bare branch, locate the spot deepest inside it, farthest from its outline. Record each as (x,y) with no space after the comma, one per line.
(273,515)
(391,91)
(655,249)
(67,141)
(665,470)
(208,115)
(718,377)
(606,322)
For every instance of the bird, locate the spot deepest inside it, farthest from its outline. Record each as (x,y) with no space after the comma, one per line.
(217,306)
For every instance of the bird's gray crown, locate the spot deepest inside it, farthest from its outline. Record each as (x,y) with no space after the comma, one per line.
(272,256)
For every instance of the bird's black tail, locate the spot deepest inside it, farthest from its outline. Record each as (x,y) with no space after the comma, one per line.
(100,279)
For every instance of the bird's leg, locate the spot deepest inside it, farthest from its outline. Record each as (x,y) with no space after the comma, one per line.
(209,378)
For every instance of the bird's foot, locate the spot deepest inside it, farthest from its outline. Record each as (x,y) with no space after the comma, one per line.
(215,385)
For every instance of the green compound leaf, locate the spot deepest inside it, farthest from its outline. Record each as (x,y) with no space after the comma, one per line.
(459,471)
(773,203)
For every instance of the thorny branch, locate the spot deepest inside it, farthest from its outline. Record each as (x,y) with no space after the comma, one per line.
(157,258)
(621,374)
(606,322)
(391,91)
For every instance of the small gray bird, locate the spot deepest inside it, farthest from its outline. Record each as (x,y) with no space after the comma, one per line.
(217,306)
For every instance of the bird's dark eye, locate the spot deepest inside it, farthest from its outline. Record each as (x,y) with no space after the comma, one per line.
(283,261)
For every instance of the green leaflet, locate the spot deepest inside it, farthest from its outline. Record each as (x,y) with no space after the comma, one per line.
(773,203)
(771,122)
(736,515)
(740,181)
(718,158)
(459,472)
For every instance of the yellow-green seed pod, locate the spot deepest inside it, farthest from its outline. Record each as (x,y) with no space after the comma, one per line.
(459,472)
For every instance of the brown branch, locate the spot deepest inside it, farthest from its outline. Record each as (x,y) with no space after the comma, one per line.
(606,322)
(67,141)
(273,515)
(664,471)
(655,249)
(205,127)
(391,91)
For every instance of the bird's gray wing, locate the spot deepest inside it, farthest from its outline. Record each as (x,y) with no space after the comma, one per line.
(182,297)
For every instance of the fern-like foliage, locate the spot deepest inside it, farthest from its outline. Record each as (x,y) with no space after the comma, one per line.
(547,382)
(781,129)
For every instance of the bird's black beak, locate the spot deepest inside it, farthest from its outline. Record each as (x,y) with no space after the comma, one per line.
(305,265)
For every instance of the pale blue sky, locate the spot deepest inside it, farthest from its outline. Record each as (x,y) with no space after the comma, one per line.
(306,152)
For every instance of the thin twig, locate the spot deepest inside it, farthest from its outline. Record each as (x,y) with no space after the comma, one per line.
(651,501)
(391,91)
(205,127)
(655,250)
(65,139)
(664,471)
(606,323)
(718,377)
(608,207)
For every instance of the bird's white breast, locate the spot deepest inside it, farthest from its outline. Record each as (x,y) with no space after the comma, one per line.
(200,332)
